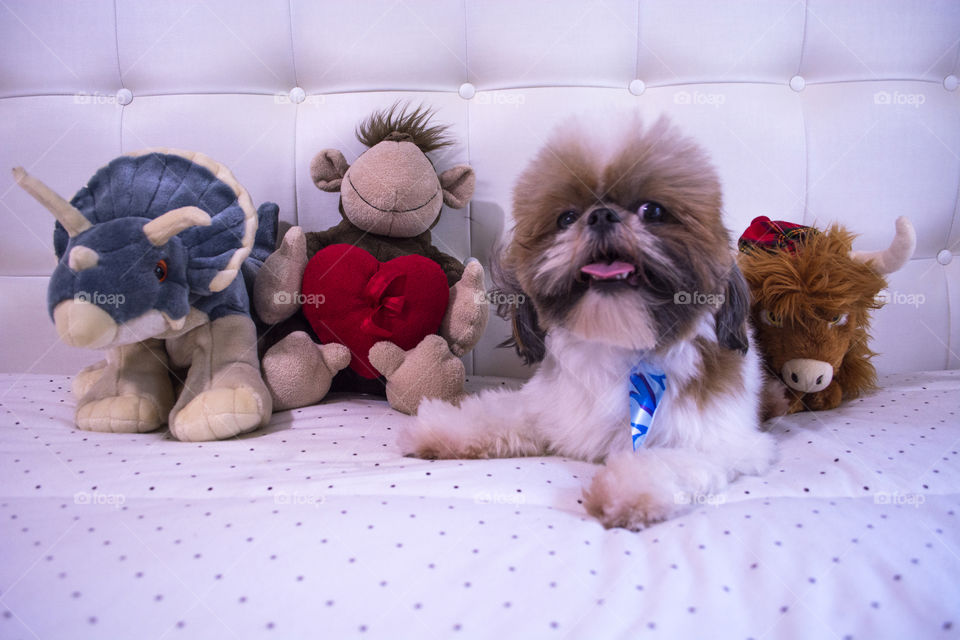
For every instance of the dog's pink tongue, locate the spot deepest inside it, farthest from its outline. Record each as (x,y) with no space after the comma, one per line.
(605,271)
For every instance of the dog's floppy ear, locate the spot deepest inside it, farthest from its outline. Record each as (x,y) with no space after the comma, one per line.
(516,307)
(528,338)
(732,314)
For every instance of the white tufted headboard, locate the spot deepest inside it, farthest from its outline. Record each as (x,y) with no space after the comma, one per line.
(813,111)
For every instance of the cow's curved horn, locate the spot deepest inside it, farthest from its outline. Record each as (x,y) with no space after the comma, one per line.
(161,229)
(65,213)
(896,255)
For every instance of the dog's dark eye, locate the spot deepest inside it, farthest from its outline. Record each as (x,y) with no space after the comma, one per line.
(567,218)
(652,211)
(160,270)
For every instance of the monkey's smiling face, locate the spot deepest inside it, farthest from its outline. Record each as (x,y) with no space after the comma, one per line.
(610,243)
(392,190)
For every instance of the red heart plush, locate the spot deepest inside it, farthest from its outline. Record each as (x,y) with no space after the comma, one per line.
(352,298)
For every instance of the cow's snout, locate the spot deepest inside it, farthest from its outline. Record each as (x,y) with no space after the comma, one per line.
(806,375)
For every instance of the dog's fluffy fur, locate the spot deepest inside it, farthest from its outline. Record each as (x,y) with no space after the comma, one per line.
(590,332)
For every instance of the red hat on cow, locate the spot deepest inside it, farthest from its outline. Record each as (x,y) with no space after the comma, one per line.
(773,235)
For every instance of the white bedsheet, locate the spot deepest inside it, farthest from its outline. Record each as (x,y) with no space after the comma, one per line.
(316,527)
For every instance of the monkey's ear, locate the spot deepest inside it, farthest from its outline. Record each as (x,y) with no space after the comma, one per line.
(457,184)
(327,169)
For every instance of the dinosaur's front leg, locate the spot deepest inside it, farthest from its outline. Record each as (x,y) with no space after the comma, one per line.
(224,394)
(129,392)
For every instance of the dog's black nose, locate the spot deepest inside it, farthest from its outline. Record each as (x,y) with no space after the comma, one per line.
(602,220)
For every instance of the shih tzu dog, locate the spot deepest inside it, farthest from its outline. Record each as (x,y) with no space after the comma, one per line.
(637,314)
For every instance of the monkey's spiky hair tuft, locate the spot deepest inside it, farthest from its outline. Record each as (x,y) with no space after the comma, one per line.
(399,123)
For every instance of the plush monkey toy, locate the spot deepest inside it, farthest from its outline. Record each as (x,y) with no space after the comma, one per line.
(371,297)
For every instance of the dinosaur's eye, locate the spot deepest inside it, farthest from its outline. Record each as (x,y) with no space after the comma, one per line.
(769,318)
(567,218)
(838,320)
(160,270)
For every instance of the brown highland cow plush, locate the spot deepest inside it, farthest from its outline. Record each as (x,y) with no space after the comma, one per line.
(811,302)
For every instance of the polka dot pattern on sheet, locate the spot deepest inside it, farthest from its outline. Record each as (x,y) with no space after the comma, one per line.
(317,523)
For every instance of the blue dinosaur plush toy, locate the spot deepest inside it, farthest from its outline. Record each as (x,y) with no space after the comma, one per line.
(150,253)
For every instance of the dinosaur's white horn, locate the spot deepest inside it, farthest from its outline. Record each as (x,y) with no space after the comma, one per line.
(65,213)
(161,229)
(896,255)
(81,258)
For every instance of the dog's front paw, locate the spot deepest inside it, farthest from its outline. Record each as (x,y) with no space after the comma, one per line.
(434,433)
(618,506)
(756,455)
(632,492)
(414,443)
(774,400)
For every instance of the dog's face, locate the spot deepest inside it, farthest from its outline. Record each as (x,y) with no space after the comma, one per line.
(626,248)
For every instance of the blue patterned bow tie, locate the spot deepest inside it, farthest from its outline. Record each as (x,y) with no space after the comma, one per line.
(647,386)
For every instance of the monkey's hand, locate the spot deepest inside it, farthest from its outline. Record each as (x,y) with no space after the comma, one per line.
(467,312)
(276,291)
